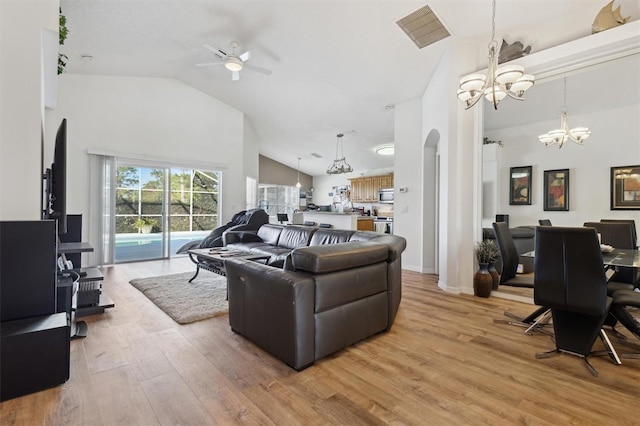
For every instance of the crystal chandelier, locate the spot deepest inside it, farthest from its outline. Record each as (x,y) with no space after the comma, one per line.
(561,135)
(508,80)
(339,165)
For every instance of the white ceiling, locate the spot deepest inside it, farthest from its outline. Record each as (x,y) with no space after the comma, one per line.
(336,63)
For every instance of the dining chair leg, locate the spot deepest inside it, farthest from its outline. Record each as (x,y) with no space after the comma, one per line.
(539,323)
(535,321)
(611,351)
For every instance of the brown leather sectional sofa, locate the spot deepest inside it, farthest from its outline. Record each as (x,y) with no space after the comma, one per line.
(333,289)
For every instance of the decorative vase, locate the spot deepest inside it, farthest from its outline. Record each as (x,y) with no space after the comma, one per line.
(482,281)
(494,275)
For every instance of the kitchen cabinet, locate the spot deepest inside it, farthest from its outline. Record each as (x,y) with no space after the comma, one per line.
(365,224)
(365,189)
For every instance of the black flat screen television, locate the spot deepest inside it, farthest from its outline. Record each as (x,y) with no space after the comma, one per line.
(56,182)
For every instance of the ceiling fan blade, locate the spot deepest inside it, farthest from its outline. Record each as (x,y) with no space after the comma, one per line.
(235,76)
(219,53)
(245,56)
(258,69)
(208,64)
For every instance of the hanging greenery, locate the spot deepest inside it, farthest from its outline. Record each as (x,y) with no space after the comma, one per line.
(62,34)
(487,141)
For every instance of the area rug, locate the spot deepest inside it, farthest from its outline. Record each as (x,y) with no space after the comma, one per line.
(186,302)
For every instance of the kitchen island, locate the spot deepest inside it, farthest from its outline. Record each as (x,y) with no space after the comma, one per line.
(336,220)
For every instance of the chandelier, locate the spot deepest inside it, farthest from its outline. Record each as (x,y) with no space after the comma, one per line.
(561,135)
(298,183)
(508,80)
(339,165)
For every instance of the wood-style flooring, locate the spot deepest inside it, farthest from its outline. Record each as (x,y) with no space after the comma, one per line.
(444,362)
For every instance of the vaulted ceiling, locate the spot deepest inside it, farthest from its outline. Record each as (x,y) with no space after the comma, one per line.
(338,66)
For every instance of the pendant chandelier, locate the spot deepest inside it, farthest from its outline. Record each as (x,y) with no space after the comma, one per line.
(508,80)
(339,165)
(561,135)
(298,183)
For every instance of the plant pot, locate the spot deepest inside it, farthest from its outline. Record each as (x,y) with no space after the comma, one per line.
(494,275)
(482,281)
(146,229)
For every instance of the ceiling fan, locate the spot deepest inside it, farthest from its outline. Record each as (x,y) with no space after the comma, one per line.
(233,62)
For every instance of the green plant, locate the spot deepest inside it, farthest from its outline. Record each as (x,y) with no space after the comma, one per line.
(141,222)
(63,32)
(487,141)
(486,251)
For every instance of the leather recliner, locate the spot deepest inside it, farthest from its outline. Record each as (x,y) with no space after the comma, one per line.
(327,296)
(249,220)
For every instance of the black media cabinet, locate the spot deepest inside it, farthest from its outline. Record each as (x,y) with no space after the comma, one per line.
(34,329)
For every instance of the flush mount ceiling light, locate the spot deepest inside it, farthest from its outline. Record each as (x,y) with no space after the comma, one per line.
(387,149)
(339,165)
(507,80)
(298,183)
(561,135)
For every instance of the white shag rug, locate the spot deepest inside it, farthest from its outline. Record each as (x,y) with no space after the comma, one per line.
(186,302)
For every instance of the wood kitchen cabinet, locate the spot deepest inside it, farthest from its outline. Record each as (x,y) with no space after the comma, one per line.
(365,189)
(365,224)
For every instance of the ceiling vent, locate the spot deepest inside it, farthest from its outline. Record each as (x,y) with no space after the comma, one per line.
(423,27)
(315,154)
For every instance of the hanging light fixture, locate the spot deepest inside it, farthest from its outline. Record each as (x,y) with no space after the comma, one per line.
(339,165)
(508,80)
(561,135)
(298,183)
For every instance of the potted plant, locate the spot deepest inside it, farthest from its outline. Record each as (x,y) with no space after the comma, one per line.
(145,225)
(486,252)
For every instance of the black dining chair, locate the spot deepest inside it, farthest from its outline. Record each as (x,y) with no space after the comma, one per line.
(569,279)
(619,234)
(508,276)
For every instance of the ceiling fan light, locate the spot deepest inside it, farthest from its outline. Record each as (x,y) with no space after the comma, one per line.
(233,64)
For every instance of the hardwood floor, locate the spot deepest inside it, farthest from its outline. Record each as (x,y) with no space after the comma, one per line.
(443,362)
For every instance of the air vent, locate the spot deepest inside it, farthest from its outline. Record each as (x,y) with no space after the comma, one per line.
(423,27)
(315,154)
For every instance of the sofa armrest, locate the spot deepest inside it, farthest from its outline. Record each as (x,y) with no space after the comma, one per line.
(232,237)
(189,246)
(274,309)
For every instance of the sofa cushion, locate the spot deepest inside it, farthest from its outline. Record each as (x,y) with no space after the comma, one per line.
(269,233)
(293,236)
(325,258)
(330,236)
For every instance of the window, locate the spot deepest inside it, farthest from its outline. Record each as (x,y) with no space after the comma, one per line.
(276,199)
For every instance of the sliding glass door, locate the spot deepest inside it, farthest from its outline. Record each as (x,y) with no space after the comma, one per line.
(159,209)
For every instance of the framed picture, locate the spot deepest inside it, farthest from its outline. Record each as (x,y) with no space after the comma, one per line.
(556,190)
(520,185)
(625,188)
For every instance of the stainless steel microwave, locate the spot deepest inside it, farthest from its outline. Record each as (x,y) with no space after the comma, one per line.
(385,195)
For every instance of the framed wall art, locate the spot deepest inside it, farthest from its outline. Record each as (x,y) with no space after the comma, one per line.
(625,188)
(520,185)
(556,190)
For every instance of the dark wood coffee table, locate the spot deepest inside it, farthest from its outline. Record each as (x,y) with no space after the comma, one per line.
(212,260)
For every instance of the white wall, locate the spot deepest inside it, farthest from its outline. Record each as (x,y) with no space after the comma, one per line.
(158,119)
(614,141)
(407,216)
(22,105)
